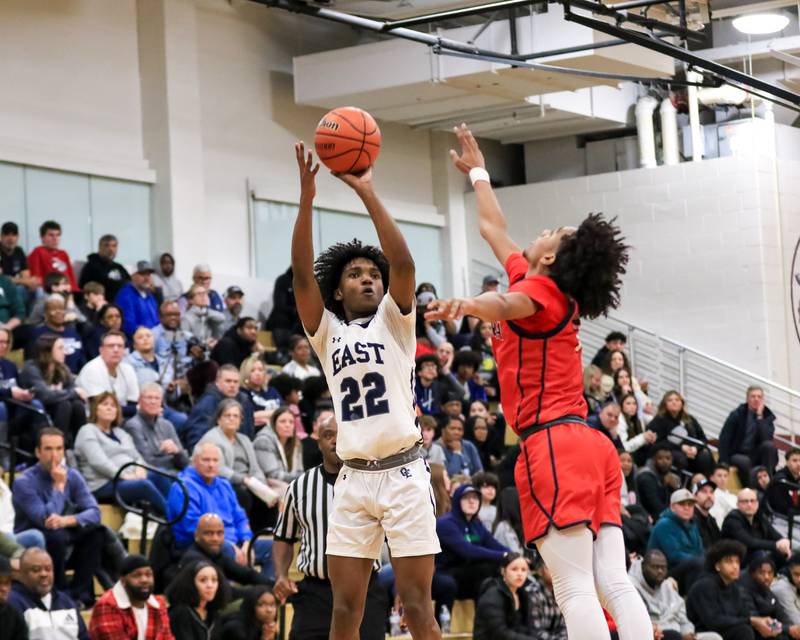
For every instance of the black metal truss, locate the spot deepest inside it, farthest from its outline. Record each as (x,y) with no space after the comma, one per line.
(445,46)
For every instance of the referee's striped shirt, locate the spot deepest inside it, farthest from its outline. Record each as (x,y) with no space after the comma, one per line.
(305,517)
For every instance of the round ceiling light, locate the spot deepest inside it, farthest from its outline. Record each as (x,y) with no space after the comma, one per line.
(761,23)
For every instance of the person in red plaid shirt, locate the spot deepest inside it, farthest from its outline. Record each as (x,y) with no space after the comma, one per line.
(130,611)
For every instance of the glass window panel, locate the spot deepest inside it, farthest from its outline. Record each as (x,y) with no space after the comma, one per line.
(122,208)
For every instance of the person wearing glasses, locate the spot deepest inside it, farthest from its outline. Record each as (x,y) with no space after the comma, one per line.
(750,526)
(201,277)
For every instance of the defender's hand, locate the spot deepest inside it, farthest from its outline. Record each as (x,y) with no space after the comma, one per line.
(471,155)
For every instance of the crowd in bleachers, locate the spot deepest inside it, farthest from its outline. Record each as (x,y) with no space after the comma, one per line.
(112,383)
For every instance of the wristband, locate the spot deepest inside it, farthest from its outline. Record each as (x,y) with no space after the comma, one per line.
(477,174)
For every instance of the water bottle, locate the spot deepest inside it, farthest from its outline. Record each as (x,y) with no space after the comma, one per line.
(394,624)
(444,619)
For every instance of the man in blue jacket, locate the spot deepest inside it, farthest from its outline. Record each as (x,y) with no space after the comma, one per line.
(470,554)
(208,493)
(136,299)
(677,536)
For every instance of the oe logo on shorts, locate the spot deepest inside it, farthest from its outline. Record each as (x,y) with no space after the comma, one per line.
(405,472)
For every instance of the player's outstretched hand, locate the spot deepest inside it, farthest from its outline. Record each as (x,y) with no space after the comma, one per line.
(359,182)
(453,309)
(308,170)
(471,155)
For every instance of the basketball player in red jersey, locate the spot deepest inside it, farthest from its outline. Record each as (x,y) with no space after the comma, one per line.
(568,474)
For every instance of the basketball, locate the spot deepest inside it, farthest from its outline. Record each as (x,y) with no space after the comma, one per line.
(347,140)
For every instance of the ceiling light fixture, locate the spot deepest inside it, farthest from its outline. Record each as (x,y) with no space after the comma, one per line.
(761,23)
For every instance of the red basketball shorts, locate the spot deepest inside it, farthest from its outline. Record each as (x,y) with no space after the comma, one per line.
(568,474)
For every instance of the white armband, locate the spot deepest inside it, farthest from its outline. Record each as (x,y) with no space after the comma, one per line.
(476,174)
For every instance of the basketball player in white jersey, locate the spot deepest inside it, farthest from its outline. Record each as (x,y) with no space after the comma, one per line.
(363,331)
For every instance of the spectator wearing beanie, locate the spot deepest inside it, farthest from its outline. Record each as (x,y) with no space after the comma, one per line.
(129,610)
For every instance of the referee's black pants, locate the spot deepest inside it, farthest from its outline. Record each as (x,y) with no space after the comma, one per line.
(313,609)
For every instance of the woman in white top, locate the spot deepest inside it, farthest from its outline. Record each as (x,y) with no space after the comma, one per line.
(300,365)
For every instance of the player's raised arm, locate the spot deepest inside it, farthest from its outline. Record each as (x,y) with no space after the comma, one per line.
(310,305)
(403,276)
(491,306)
(491,221)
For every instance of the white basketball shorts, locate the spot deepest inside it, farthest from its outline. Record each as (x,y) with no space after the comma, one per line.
(397,503)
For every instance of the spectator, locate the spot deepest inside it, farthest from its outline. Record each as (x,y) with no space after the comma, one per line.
(234,303)
(724,500)
(102,448)
(200,419)
(200,319)
(300,365)
(787,588)
(11,620)
(430,450)
(48,377)
(785,498)
(502,611)
(547,619)
(706,524)
(746,436)
(54,324)
(197,596)
(428,388)
(253,381)
(592,389)
(172,342)
(201,277)
(477,431)
(12,305)
(666,608)
(749,526)
(277,449)
(10,390)
(290,389)
(465,366)
(481,343)
(630,495)
(209,539)
(614,361)
(130,611)
(153,435)
(304,518)
(445,352)
(674,425)
(631,430)
(55,282)
(607,422)
(238,343)
(762,602)
(283,320)
(166,280)
(56,500)
(615,341)
(47,257)
(461,455)
(100,267)
(25,539)
(209,493)
(678,537)
(108,373)
(94,299)
(760,480)
(14,264)
(239,464)
(109,318)
(470,553)
(717,603)
(136,299)
(257,618)
(655,483)
(49,613)
(488,485)
(507,527)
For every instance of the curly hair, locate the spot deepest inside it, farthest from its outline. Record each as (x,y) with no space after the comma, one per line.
(724,549)
(331,262)
(589,265)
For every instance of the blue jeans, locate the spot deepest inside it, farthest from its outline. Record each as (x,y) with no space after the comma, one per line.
(30,538)
(133,491)
(263,556)
(177,418)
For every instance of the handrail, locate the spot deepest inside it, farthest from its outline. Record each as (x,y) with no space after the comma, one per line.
(251,552)
(714,359)
(692,441)
(145,512)
(14,451)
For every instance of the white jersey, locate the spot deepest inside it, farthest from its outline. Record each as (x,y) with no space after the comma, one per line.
(369,366)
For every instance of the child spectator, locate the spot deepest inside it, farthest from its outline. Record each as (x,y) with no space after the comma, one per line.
(48,257)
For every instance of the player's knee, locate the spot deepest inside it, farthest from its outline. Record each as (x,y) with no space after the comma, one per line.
(418,610)
(347,615)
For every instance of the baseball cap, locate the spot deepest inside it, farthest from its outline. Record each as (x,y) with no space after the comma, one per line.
(233,291)
(9,228)
(490,279)
(681,495)
(703,485)
(470,489)
(144,266)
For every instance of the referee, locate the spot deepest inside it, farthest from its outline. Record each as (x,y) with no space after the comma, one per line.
(305,517)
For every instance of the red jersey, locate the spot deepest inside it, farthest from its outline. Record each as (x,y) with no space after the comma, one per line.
(539,357)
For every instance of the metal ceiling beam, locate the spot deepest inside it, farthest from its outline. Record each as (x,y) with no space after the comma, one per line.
(450,14)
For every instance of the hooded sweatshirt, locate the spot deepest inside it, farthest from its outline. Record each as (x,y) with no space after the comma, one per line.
(112,275)
(465,540)
(665,606)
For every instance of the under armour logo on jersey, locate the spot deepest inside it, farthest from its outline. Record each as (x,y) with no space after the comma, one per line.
(405,472)
(336,339)
(344,476)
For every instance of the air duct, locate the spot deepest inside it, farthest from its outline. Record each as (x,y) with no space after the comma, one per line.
(644,128)
(694,117)
(669,131)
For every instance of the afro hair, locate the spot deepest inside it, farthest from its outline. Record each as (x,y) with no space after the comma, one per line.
(589,265)
(330,264)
